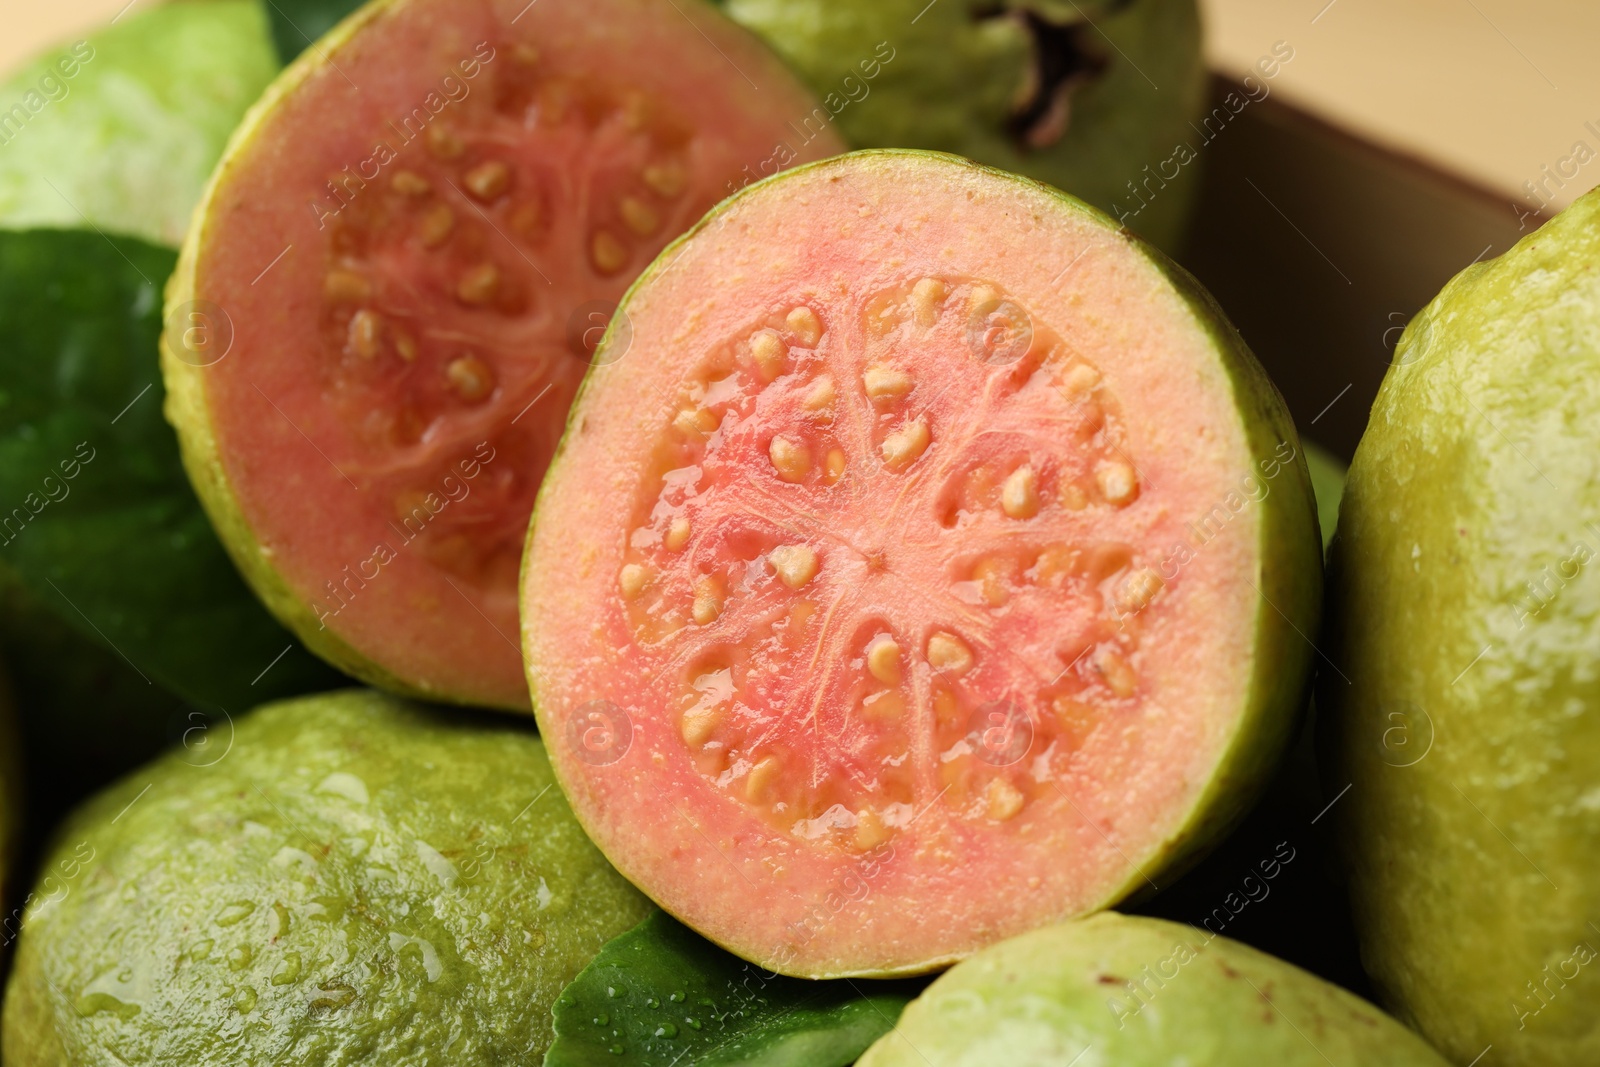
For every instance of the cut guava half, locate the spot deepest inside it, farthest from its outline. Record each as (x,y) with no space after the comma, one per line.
(393,285)
(930,569)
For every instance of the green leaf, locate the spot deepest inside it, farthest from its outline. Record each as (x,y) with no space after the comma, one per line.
(660,994)
(96,514)
(297,23)
(121,130)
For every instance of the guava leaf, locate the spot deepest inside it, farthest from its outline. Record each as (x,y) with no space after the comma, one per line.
(296,24)
(660,994)
(96,513)
(121,130)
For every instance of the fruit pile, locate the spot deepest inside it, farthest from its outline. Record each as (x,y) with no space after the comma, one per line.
(903,561)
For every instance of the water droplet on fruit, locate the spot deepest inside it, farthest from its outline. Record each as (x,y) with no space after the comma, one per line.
(603,1019)
(667,1030)
(694,1024)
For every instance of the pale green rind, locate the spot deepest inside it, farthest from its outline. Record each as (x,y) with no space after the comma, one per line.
(346,879)
(1464,619)
(188,413)
(955,76)
(1119,991)
(126,143)
(1289,578)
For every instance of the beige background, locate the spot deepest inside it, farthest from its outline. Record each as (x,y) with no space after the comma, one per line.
(1491,89)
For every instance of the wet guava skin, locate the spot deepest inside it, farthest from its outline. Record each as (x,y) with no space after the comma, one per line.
(1465,710)
(353,879)
(1137,992)
(906,74)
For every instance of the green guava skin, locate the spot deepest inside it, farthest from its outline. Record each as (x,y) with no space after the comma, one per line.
(1138,992)
(953,79)
(350,878)
(1327,481)
(144,117)
(1465,711)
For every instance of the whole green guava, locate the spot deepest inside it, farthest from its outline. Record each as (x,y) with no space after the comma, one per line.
(1138,992)
(1095,97)
(120,130)
(341,879)
(1465,624)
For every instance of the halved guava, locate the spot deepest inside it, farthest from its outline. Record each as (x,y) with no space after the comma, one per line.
(930,567)
(395,280)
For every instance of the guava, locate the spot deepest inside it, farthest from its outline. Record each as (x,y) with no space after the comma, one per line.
(341,879)
(932,578)
(1101,97)
(395,281)
(1327,479)
(120,130)
(1136,992)
(1464,713)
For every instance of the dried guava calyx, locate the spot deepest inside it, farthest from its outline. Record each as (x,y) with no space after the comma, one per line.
(927,565)
(394,285)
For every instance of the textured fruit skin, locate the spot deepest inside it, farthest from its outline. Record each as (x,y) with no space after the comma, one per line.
(141,122)
(1139,992)
(955,76)
(1461,618)
(416,885)
(1289,578)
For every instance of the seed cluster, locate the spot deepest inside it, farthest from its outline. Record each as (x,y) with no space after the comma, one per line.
(749,565)
(444,304)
